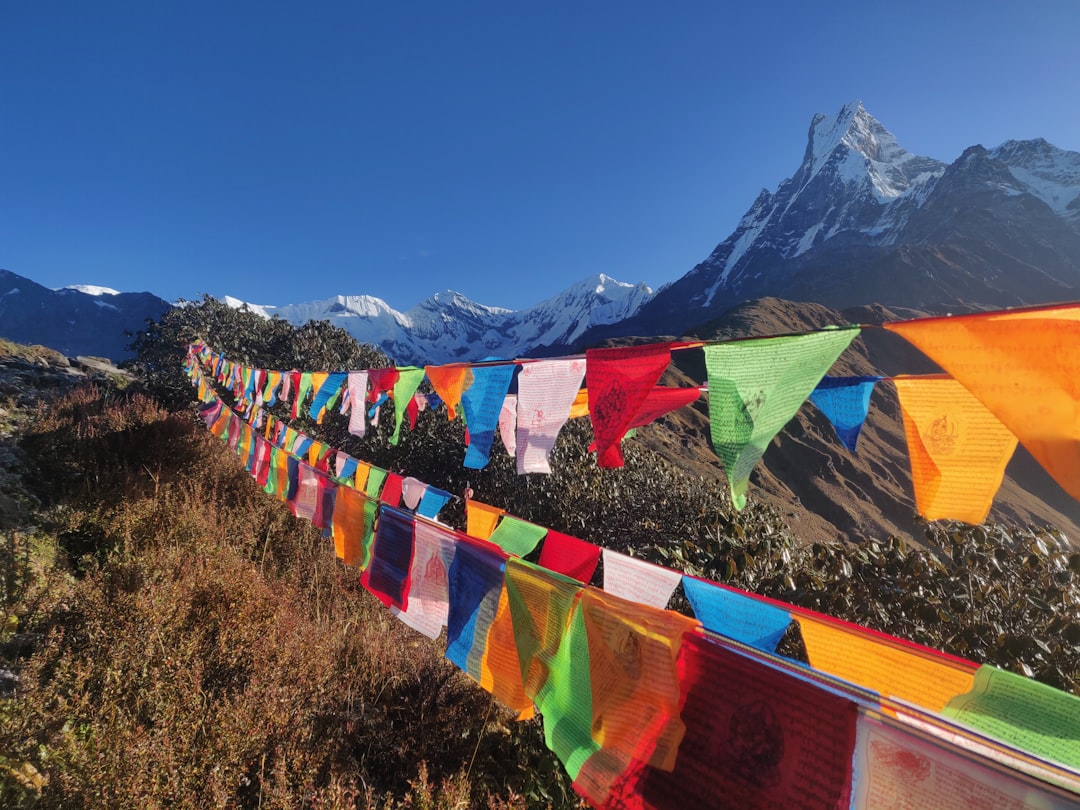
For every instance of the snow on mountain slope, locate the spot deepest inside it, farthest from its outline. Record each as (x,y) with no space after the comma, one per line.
(448,327)
(91,289)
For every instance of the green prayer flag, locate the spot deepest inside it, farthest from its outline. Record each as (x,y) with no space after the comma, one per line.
(565,699)
(1032,716)
(367,538)
(516,536)
(375,479)
(756,387)
(409,379)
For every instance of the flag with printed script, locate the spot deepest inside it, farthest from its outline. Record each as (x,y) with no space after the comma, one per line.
(756,386)
(845,401)
(546,389)
(958,450)
(1024,366)
(618,380)
(755,737)
(429,581)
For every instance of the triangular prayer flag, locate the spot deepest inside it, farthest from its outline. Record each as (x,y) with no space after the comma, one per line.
(736,615)
(958,449)
(618,380)
(374,483)
(756,386)
(449,381)
(1024,366)
(481,403)
(660,401)
(546,388)
(409,379)
(412,492)
(391,490)
(515,536)
(845,401)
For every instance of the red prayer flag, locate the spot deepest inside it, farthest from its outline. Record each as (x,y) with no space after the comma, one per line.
(569,556)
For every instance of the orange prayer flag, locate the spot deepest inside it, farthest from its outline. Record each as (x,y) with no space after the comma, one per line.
(480,519)
(580,405)
(348,525)
(958,449)
(500,669)
(1024,366)
(449,381)
(890,667)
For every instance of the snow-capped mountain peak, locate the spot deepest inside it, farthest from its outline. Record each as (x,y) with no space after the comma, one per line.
(91,289)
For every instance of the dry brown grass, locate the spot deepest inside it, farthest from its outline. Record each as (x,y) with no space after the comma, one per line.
(199,647)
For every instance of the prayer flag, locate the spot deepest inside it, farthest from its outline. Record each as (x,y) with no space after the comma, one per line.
(348,525)
(569,556)
(387,576)
(434,499)
(515,536)
(618,380)
(481,403)
(476,579)
(1024,366)
(546,388)
(449,381)
(639,581)
(329,386)
(508,423)
(957,448)
(429,595)
(736,615)
(756,386)
(480,519)
(358,398)
(845,401)
(409,379)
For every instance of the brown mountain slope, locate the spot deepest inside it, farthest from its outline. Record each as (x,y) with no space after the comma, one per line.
(826,492)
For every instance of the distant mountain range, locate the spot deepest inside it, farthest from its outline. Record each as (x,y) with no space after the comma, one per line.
(78,320)
(448,327)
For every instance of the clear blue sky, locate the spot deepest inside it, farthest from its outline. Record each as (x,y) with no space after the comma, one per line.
(283,152)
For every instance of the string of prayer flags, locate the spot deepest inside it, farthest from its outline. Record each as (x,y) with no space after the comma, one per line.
(481,403)
(480,519)
(845,401)
(756,387)
(429,589)
(755,737)
(897,767)
(569,556)
(1024,366)
(475,585)
(516,537)
(449,381)
(546,389)
(409,379)
(736,615)
(1022,712)
(636,696)
(884,664)
(358,381)
(639,581)
(387,576)
(618,380)
(958,450)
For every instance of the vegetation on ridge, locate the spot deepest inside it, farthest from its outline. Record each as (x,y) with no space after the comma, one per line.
(181,640)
